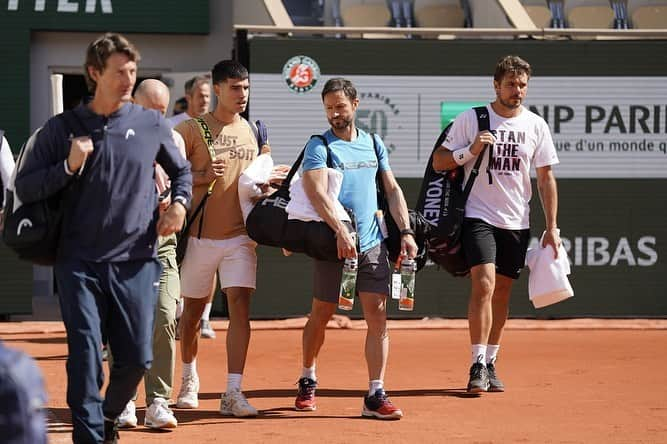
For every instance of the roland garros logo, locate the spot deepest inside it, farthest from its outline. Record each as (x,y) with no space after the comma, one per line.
(301,74)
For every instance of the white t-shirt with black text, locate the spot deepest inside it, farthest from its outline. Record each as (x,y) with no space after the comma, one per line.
(520,141)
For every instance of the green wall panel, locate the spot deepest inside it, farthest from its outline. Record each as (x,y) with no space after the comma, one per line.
(16,288)
(463,57)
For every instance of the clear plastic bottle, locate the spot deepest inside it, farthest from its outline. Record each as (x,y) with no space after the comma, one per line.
(406,302)
(348,284)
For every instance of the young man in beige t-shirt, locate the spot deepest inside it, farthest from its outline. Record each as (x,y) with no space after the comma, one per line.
(219,241)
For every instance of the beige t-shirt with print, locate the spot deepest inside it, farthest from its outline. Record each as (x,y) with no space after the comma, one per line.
(237,145)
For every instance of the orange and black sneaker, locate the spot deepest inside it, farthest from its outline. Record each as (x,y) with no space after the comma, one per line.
(305,396)
(379,406)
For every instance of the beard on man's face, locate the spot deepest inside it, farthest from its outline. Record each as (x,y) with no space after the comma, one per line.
(340,123)
(512,103)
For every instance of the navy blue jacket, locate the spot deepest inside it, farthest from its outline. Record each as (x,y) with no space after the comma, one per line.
(111,210)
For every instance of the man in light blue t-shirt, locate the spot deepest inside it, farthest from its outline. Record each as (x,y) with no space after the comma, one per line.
(353,153)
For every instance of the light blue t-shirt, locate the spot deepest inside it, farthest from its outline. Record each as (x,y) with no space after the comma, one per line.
(359,164)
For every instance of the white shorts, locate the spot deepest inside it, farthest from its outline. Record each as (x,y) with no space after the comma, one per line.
(234,259)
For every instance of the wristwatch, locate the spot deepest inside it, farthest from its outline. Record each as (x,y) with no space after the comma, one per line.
(409,231)
(181,200)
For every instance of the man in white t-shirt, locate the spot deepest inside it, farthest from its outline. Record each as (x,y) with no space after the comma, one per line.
(198,96)
(496,226)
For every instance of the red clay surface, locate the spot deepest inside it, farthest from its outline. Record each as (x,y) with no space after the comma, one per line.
(566,383)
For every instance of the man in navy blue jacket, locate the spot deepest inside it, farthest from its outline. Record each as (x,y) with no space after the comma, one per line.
(107,272)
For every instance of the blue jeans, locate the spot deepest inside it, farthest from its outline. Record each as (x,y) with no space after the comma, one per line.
(115,300)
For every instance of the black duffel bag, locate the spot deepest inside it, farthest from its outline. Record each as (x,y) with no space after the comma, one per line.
(442,201)
(33,229)
(268,224)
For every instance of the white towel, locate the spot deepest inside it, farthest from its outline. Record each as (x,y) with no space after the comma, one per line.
(257,173)
(299,206)
(548,282)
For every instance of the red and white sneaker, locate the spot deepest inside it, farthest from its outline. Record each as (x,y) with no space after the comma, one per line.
(305,397)
(379,406)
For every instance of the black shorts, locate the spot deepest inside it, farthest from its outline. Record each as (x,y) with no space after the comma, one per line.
(485,244)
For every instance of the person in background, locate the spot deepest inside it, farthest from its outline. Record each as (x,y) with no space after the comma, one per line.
(198,98)
(180,106)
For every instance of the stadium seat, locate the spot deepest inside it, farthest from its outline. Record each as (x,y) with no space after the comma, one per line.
(364,13)
(539,14)
(487,14)
(650,17)
(439,14)
(592,14)
(591,17)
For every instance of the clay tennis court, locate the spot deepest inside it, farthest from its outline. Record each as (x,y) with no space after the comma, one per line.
(572,381)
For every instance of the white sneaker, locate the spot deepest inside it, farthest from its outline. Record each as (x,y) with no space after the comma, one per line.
(187,397)
(233,403)
(128,418)
(159,416)
(205,330)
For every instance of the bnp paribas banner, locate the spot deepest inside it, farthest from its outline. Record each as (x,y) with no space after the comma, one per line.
(603,127)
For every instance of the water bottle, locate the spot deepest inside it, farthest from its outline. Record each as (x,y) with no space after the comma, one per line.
(406,302)
(348,284)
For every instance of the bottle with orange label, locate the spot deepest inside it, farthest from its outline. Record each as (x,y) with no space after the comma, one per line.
(406,301)
(348,284)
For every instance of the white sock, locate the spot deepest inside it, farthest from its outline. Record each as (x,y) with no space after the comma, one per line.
(234,381)
(190,369)
(207,312)
(479,354)
(309,372)
(374,385)
(492,353)
(179,308)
